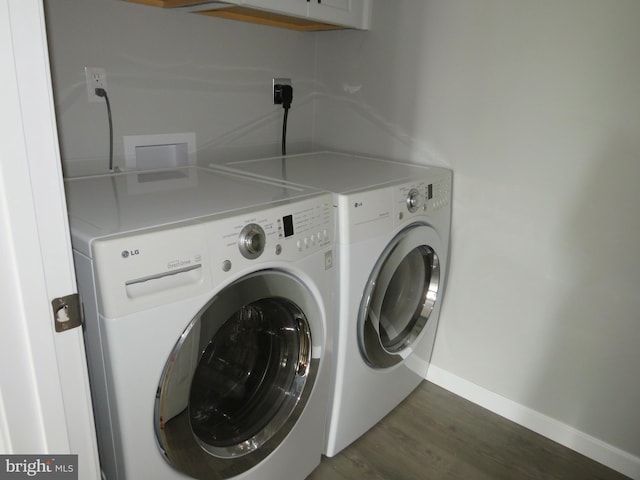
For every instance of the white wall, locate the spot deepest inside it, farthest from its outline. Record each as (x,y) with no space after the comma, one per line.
(170,72)
(536,107)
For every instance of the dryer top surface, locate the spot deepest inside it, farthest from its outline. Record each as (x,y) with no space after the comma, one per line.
(118,203)
(336,172)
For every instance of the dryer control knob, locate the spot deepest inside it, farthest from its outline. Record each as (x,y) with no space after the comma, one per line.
(251,241)
(414,200)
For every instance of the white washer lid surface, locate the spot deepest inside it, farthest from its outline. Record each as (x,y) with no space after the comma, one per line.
(111,204)
(335,172)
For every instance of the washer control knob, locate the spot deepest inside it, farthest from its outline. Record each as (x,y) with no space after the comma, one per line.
(413,200)
(251,241)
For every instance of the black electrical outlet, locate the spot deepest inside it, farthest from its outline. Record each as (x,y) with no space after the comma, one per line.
(278,83)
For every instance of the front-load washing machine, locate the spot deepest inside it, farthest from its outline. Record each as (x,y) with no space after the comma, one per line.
(206,297)
(393,229)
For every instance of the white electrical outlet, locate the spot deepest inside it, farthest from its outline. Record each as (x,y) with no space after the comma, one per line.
(96,78)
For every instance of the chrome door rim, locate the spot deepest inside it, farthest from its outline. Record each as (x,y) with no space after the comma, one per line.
(376,352)
(179,443)
(293,387)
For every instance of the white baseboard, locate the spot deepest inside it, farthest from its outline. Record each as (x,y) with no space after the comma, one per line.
(559,432)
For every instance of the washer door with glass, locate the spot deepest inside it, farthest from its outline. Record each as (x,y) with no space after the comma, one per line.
(400,296)
(239,376)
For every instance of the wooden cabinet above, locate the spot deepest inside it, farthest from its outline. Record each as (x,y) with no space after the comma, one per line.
(301,15)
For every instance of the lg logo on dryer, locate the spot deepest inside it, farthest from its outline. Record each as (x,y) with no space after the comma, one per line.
(129,253)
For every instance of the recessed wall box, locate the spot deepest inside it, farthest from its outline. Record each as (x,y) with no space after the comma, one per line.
(143,152)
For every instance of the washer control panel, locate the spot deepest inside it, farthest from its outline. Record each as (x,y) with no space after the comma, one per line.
(155,266)
(286,232)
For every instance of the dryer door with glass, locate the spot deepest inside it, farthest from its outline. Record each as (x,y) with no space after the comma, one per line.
(400,296)
(239,376)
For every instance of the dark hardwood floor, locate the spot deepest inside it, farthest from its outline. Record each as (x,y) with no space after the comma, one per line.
(437,435)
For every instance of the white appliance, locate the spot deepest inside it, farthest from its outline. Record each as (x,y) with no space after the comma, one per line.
(206,297)
(394,222)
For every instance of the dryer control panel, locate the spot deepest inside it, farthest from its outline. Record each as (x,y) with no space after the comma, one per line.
(422,197)
(377,211)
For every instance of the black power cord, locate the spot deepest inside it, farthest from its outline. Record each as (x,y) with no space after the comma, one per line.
(287,98)
(101,92)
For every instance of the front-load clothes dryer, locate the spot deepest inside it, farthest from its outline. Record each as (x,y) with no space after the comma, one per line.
(394,222)
(206,297)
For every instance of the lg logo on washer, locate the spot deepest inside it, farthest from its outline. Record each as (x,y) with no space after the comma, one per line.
(128,253)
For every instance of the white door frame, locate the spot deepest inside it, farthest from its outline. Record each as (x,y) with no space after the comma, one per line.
(45,406)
